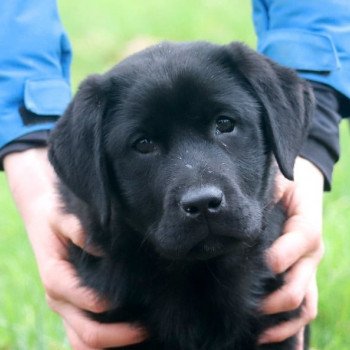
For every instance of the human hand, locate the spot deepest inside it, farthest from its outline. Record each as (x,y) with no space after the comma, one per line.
(32,183)
(297,252)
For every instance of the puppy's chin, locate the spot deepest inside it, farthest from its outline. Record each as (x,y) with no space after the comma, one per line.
(210,247)
(214,246)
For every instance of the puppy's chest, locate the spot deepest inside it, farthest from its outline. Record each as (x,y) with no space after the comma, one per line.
(209,307)
(206,304)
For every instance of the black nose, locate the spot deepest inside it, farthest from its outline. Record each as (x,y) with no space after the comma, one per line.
(204,200)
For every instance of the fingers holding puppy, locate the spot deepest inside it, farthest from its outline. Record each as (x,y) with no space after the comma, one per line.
(295,326)
(70,300)
(302,241)
(68,289)
(86,334)
(297,252)
(50,230)
(69,229)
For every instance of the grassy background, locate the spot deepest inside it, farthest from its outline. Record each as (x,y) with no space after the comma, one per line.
(101,31)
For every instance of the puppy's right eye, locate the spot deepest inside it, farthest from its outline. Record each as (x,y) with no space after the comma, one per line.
(145,145)
(224,125)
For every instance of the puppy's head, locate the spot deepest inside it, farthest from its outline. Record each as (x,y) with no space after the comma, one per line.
(180,139)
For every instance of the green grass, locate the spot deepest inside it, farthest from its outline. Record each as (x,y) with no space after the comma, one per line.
(100,32)
(333,323)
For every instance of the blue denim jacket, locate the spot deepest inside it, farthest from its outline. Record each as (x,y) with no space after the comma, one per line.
(311,36)
(35,58)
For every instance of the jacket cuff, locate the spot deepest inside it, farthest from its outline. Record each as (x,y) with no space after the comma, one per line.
(318,155)
(32,140)
(322,145)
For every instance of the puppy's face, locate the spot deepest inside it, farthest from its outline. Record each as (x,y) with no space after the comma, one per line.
(182,139)
(189,160)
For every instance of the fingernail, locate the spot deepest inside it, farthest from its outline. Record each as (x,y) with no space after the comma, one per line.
(263,339)
(93,250)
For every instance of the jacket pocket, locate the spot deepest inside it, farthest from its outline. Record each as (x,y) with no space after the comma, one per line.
(300,50)
(46,97)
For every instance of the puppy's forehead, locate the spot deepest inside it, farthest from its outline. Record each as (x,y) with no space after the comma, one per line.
(185,84)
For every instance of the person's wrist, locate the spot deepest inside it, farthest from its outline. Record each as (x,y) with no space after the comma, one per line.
(309,181)
(30,177)
(15,161)
(305,170)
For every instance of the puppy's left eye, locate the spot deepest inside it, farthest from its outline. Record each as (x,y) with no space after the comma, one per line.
(145,145)
(224,125)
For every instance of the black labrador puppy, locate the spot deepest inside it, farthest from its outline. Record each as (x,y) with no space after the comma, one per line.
(168,160)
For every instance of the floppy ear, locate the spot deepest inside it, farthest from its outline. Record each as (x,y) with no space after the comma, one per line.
(76,149)
(287,100)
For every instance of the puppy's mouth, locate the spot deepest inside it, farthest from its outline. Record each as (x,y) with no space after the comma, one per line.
(212,246)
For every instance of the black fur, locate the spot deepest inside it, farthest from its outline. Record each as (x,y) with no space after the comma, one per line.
(168,161)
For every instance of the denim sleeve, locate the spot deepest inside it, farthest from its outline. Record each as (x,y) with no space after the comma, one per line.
(35,56)
(312,37)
